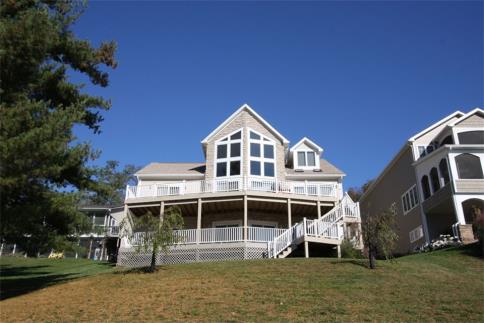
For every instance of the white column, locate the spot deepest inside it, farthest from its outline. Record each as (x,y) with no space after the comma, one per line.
(289,215)
(306,249)
(199,218)
(245,217)
(319,209)
(339,251)
(162,210)
(459,212)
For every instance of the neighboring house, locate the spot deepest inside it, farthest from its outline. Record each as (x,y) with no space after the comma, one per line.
(102,242)
(436,181)
(253,197)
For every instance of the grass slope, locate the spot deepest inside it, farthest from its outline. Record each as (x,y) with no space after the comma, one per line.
(446,285)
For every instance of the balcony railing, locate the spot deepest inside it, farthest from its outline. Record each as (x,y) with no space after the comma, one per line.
(235,184)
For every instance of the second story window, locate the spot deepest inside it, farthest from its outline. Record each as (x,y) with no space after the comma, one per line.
(306,159)
(409,199)
(261,155)
(228,155)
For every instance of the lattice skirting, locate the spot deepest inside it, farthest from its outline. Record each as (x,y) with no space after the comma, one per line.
(129,257)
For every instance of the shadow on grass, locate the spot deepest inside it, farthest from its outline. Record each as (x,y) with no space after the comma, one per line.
(20,280)
(139,270)
(357,262)
(473,249)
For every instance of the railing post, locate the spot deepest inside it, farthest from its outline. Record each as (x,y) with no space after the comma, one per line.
(306,186)
(184,187)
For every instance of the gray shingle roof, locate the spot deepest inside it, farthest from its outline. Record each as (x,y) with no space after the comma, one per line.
(173,168)
(326,168)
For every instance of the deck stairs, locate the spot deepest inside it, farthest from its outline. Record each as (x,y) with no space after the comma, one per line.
(328,229)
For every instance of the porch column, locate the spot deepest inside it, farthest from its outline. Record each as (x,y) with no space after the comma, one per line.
(459,212)
(162,210)
(306,249)
(289,216)
(245,218)
(199,218)
(339,251)
(319,209)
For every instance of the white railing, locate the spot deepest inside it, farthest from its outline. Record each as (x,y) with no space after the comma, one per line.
(235,184)
(112,230)
(263,234)
(216,235)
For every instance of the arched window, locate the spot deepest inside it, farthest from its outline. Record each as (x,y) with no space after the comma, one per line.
(447,141)
(471,137)
(425,187)
(434,179)
(444,171)
(469,166)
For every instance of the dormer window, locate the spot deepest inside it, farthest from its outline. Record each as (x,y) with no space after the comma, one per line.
(228,161)
(306,154)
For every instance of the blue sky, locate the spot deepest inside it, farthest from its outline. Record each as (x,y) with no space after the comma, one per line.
(358,78)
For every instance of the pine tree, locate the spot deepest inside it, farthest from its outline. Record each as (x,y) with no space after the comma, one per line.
(40,162)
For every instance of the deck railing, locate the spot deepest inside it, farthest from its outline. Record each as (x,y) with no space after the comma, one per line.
(215,235)
(235,184)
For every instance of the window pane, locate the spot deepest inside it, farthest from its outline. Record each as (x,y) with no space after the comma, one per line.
(269,169)
(234,168)
(235,150)
(99,220)
(235,136)
(255,150)
(301,158)
(253,135)
(468,166)
(311,159)
(415,196)
(221,169)
(222,151)
(254,168)
(268,151)
(471,138)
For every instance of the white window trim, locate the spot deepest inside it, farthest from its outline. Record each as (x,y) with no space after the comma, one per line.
(262,142)
(409,193)
(227,222)
(306,150)
(228,159)
(266,223)
(416,234)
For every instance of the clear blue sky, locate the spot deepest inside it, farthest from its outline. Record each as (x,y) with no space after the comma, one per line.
(358,78)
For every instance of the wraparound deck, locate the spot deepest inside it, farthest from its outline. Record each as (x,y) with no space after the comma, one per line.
(236,184)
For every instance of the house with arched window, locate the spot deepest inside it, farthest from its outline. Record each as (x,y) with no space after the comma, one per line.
(254,196)
(436,180)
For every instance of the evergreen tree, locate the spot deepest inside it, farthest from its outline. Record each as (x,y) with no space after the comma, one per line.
(40,161)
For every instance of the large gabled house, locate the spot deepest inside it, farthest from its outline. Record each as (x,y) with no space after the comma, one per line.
(435,180)
(253,197)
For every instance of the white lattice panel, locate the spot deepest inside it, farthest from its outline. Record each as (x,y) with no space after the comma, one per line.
(132,258)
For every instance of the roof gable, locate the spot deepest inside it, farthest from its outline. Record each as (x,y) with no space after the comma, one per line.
(476,111)
(435,125)
(248,109)
(309,143)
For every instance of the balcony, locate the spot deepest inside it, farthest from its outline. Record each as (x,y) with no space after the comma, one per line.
(235,184)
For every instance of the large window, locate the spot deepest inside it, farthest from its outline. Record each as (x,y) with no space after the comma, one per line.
(425,186)
(469,166)
(434,179)
(471,138)
(261,155)
(444,170)
(409,199)
(228,161)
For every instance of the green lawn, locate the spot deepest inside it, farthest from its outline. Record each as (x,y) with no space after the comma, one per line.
(446,285)
(23,275)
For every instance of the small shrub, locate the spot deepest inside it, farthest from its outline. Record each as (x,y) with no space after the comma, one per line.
(348,250)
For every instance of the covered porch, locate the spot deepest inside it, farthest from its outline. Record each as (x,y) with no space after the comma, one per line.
(234,219)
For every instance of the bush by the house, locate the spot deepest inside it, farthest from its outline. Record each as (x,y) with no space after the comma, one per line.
(348,250)
(444,241)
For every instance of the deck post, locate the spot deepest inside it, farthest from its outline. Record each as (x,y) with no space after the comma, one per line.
(199,227)
(319,209)
(306,249)
(339,251)
(245,217)
(14,248)
(289,215)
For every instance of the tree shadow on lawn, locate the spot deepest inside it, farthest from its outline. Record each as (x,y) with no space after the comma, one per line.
(357,262)
(26,279)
